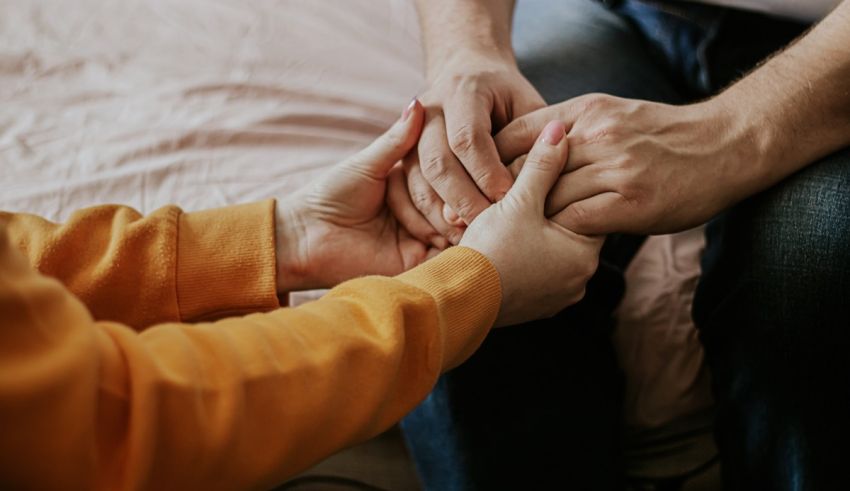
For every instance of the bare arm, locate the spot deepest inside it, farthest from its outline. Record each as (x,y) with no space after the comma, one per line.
(798,103)
(643,167)
(450,27)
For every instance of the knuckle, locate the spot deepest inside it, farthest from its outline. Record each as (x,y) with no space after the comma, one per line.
(458,79)
(422,200)
(630,185)
(434,167)
(578,214)
(464,140)
(465,208)
(492,183)
(631,152)
(632,190)
(521,127)
(596,102)
(624,161)
(606,130)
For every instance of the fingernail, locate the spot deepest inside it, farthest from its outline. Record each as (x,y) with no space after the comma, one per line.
(407,110)
(553,133)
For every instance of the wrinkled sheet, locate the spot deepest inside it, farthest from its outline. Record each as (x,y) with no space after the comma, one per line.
(206,103)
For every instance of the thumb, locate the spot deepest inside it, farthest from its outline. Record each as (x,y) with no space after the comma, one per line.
(381,155)
(543,166)
(518,136)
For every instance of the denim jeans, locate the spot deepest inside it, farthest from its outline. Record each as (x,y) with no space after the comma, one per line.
(539,406)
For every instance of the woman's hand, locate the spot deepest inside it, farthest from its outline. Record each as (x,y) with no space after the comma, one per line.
(340,227)
(543,266)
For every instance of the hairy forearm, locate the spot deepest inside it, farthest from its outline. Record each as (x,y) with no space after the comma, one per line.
(452,26)
(797,105)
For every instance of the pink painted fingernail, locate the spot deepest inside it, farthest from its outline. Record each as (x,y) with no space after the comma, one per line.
(553,133)
(407,110)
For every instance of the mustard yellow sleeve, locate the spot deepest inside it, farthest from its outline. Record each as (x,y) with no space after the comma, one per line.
(242,403)
(167,266)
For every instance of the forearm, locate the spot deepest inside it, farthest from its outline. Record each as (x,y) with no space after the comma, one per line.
(166,266)
(795,108)
(452,26)
(240,404)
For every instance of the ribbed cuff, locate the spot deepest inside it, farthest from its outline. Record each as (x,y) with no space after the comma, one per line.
(468,293)
(226,262)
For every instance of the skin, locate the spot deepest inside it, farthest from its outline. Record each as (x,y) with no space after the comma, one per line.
(647,168)
(474,89)
(528,248)
(344,215)
(341,227)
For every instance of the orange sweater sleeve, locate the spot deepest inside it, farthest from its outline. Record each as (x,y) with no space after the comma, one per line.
(167,266)
(242,403)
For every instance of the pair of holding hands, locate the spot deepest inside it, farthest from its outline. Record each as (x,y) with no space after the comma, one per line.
(623,166)
(342,227)
(634,166)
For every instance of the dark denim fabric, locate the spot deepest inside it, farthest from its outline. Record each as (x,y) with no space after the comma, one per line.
(679,36)
(539,406)
(703,48)
(773,308)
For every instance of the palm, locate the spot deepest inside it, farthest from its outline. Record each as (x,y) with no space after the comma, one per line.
(351,228)
(342,224)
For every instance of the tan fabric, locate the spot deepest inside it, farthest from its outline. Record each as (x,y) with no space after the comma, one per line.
(656,342)
(206,104)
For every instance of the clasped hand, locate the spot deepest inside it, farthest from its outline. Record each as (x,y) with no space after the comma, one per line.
(341,227)
(634,167)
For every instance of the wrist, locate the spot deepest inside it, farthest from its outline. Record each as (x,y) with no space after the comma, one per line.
(743,145)
(293,268)
(469,59)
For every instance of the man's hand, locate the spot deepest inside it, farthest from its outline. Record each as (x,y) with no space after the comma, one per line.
(642,167)
(340,227)
(543,266)
(456,163)
(651,168)
(474,88)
